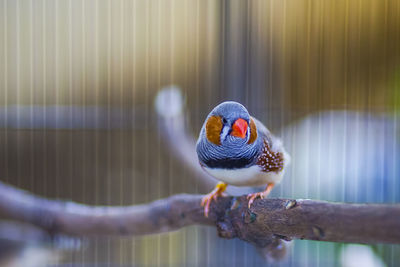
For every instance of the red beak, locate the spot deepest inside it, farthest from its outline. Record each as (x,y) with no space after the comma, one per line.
(239,128)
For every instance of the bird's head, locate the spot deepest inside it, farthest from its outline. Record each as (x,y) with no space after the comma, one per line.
(228,138)
(229,124)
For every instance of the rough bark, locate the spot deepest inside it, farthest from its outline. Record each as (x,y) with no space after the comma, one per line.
(267,221)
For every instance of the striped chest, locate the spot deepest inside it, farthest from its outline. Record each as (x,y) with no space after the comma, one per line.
(268,168)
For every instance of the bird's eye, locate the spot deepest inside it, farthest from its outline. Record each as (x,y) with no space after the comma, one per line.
(224,121)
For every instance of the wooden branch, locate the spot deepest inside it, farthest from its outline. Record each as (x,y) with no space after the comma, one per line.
(267,221)
(308,219)
(82,220)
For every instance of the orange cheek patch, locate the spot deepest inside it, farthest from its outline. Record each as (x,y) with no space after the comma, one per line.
(253,132)
(213,129)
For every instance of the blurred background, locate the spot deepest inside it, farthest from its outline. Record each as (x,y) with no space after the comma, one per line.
(78,81)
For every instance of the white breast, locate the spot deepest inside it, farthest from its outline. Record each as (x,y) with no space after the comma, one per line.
(251,176)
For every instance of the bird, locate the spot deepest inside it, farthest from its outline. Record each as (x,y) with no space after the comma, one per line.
(237,149)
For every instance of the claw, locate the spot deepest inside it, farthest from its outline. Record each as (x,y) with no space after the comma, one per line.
(254,196)
(262,195)
(213,195)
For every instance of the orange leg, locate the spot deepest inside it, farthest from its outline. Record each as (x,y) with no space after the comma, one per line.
(263,194)
(217,192)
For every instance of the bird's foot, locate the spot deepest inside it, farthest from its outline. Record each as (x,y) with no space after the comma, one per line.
(254,196)
(262,195)
(213,195)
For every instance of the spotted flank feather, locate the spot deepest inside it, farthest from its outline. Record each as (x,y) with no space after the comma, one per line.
(270,161)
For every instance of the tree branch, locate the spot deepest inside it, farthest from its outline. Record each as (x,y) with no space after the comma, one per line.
(267,221)
(83,220)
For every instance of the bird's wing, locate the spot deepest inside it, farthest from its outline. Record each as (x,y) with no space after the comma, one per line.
(262,130)
(274,142)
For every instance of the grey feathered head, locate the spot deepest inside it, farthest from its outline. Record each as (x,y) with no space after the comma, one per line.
(228,137)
